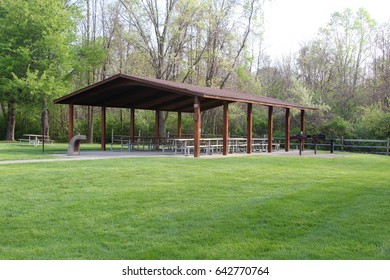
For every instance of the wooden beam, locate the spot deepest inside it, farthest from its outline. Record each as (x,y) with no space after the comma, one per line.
(197,127)
(287,130)
(225,128)
(132,124)
(159,100)
(182,102)
(206,105)
(211,103)
(249,126)
(103,129)
(179,125)
(71,122)
(97,92)
(270,127)
(121,98)
(303,127)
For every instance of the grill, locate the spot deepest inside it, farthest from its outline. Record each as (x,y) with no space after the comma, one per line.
(302,137)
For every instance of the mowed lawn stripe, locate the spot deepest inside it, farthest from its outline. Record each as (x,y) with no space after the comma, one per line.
(171,208)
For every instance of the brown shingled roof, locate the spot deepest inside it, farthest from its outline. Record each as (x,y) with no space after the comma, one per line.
(125,91)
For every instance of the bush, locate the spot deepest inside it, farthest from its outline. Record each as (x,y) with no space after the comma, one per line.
(336,128)
(374,123)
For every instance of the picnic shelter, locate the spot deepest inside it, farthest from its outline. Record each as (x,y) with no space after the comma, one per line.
(132,92)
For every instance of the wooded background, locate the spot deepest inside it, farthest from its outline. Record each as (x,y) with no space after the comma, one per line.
(49,48)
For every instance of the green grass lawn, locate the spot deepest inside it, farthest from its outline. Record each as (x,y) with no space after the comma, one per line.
(17,151)
(185,208)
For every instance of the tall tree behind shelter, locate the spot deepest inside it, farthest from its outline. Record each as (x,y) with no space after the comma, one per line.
(91,52)
(161,29)
(197,41)
(35,53)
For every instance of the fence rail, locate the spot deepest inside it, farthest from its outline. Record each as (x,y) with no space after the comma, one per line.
(371,146)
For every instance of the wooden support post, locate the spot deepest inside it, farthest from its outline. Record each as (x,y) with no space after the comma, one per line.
(287,131)
(303,128)
(132,125)
(156,128)
(249,126)
(225,128)
(270,128)
(179,125)
(197,127)
(71,122)
(103,129)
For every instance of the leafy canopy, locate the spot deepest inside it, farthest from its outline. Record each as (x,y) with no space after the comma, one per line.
(35,47)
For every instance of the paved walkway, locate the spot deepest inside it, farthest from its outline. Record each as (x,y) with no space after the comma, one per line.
(93,155)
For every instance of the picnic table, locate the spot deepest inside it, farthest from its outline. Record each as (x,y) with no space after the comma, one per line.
(187,145)
(123,140)
(214,145)
(34,139)
(138,143)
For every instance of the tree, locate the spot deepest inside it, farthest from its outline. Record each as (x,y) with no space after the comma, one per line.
(335,64)
(347,39)
(227,36)
(196,41)
(162,31)
(35,53)
(379,83)
(91,53)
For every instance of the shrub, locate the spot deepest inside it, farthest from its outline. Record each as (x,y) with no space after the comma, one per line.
(336,128)
(374,123)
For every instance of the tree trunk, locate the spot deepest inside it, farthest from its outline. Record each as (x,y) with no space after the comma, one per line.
(11,121)
(162,124)
(3,110)
(90,125)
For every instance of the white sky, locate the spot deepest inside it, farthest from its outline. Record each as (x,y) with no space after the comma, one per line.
(291,22)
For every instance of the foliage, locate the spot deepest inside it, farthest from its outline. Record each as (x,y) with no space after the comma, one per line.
(336,128)
(335,63)
(90,57)
(260,123)
(374,123)
(301,94)
(35,40)
(39,87)
(35,53)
